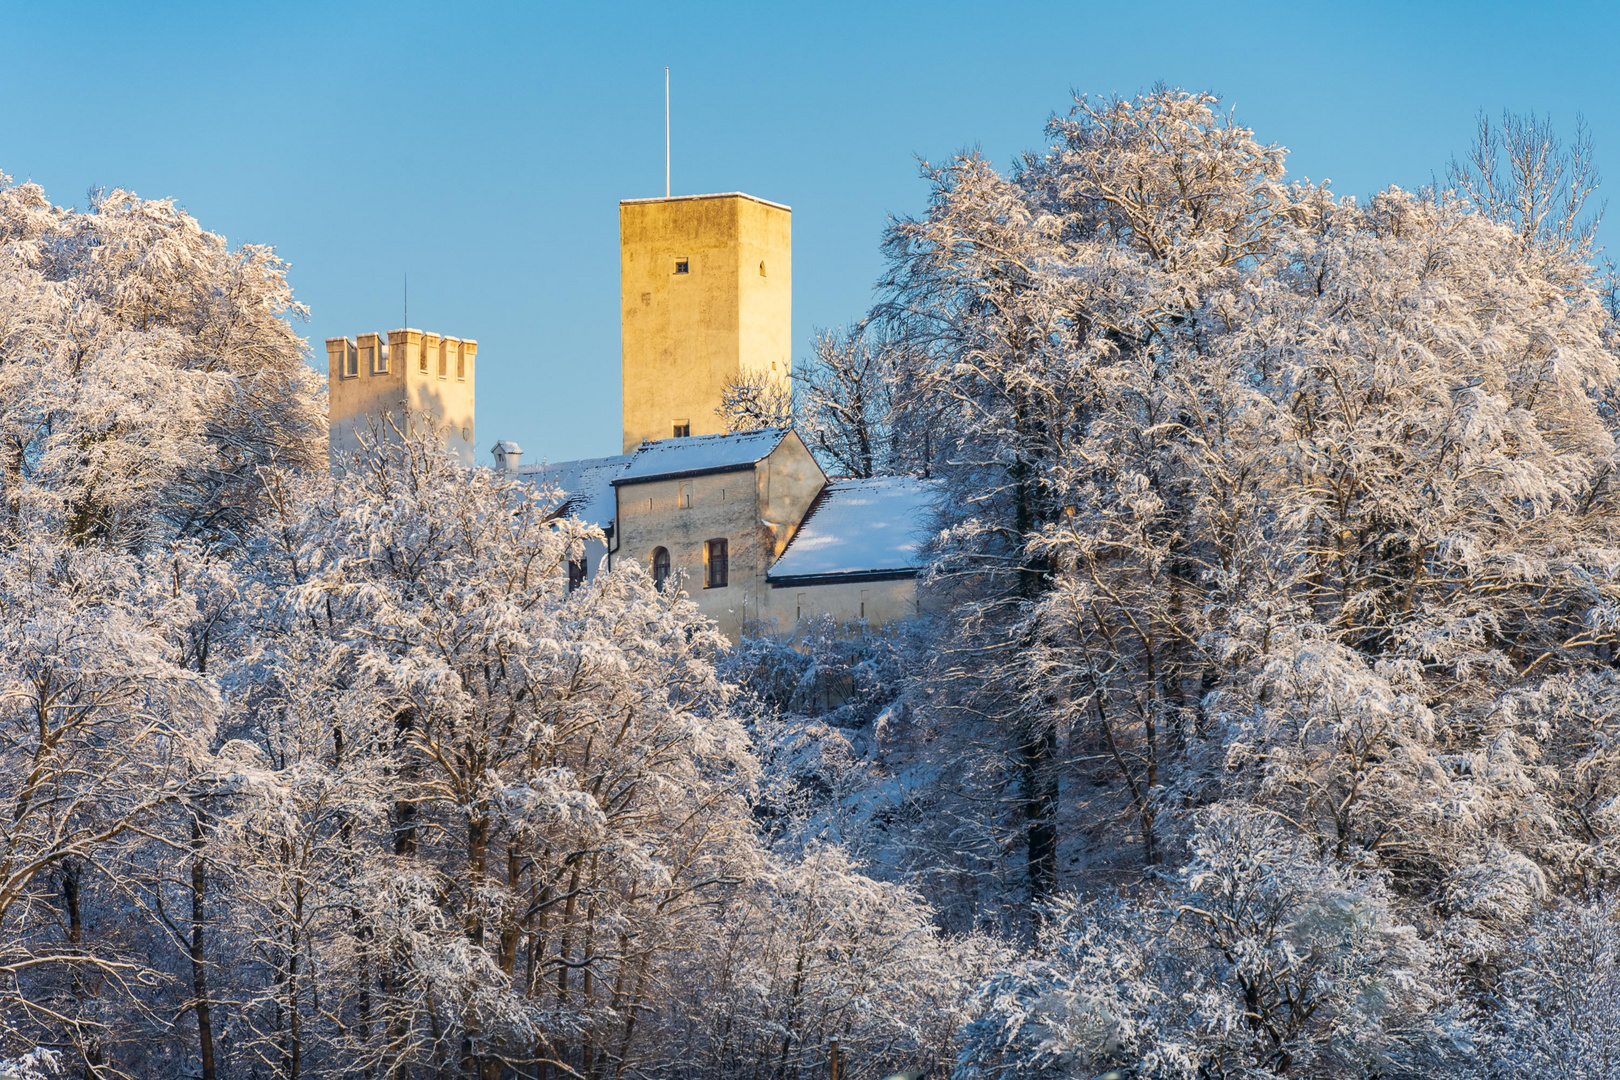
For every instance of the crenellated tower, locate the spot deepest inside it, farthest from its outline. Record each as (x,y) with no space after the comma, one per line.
(408,373)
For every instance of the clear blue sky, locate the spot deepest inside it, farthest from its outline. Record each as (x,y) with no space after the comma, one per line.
(483,147)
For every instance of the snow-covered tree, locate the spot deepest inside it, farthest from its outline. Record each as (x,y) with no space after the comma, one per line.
(556,776)
(819,959)
(102,735)
(1557,1010)
(858,405)
(1045,306)
(147,370)
(1261,959)
(754,400)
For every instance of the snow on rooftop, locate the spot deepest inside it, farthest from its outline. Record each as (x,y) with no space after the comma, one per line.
(588,484)
(862,527)
(700,454)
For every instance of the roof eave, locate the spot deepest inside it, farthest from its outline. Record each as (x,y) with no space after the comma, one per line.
(683,474)
(843,577)
(707,195)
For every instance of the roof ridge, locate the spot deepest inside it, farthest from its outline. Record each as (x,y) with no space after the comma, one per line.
(663,458)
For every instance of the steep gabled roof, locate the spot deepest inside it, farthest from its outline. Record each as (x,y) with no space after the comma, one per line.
(587,485)
(861,528)
(696,455)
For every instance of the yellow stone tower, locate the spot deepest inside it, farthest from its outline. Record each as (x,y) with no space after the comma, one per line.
(405,375)
(706,294)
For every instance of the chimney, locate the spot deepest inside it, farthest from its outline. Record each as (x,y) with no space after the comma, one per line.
(507,455)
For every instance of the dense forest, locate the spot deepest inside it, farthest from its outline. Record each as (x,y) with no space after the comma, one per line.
(1263,721)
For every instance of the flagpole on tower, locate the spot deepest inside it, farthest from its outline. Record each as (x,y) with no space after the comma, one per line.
(666,131)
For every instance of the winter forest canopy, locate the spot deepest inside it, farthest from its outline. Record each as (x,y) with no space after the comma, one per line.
(1265,719)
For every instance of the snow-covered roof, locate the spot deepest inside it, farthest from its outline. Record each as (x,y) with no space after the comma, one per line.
(862,527)
(694,455)
(587,482)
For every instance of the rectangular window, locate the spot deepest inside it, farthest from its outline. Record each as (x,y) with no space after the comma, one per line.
(683,428)
(798,608)
(351,362)
(865,595)
(683,495)
(715,564)
(576,573)
(683,266)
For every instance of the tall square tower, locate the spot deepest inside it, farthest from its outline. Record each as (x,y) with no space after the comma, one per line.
(706,297)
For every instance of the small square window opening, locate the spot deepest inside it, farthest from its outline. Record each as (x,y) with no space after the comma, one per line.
(683,266)
(683,428)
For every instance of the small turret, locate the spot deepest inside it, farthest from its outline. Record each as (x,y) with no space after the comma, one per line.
(507,455)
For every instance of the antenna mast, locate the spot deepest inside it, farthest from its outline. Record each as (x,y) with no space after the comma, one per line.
(407,298)
(666,131)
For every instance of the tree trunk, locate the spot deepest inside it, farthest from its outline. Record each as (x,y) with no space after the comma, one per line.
(85,1036)
(1040,808)
(199,960)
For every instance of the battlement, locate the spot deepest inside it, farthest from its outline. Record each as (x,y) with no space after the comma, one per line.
(401,352)
(403,373)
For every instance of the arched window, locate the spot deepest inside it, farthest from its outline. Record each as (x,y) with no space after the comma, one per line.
(660,566)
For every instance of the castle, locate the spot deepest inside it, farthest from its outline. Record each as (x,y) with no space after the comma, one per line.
(748,523)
